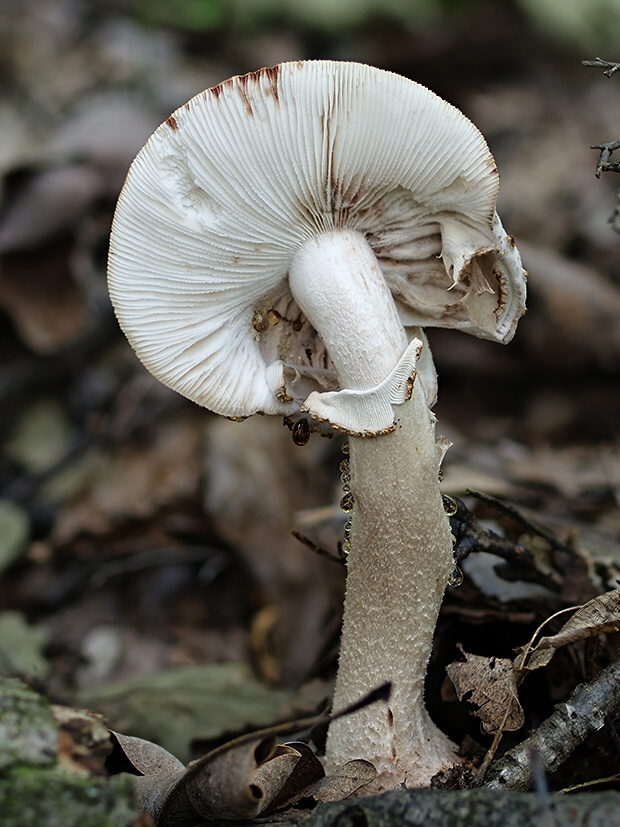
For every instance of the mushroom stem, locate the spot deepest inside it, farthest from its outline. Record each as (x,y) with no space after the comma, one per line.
(401,548)
(398,567)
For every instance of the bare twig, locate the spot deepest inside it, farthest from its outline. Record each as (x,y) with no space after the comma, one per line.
(488,758)
(609,67)
(335,558)
(557,737)
(520,674)
(593,783)
(604,163)
(522,562)
(518,517)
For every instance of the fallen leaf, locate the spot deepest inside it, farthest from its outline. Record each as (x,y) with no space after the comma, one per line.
(146,757)
(343,782)
(598,616)
(131,481)
(305,773)
(257,477)
(490,684)
(241,779)
(245,778)
(575,302)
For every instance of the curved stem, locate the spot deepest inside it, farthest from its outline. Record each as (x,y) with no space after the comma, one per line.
(401,548)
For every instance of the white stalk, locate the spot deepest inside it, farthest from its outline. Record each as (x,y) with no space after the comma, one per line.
(401,548)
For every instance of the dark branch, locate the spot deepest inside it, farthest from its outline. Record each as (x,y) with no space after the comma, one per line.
(557,737)
(604,163)
(609,68)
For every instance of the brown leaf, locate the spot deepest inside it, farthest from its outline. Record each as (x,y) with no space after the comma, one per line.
(40,294)
(490,683)
(239,780)
(242,779)
(574,302)
(305,774)
(596,617)
(344,782)
(146,757)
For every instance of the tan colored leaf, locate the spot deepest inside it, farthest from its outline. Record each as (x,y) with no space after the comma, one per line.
(490,684)
(304,775)
(146,757)
(260,449)
(239,780)
(242,779)
(344,782)
(596,617)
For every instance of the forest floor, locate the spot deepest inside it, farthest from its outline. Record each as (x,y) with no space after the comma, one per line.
(147,565)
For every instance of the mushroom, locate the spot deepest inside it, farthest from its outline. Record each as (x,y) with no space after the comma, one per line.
(278,246)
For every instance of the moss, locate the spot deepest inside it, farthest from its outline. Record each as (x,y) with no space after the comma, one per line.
(28,733)
(34,790)
(35,797)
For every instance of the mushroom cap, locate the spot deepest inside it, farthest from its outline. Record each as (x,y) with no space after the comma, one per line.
(231,185)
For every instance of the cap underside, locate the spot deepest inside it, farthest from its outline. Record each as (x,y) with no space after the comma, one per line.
(233,183)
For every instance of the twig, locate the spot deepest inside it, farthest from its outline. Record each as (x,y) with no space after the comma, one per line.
(557,737)
(519,662)
(520,673)
(610,68)
(604,164)
(518,517)
(335,558)
(488,758)
(593,783)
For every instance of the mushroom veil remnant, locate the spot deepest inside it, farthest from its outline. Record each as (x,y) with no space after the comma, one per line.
(280,242)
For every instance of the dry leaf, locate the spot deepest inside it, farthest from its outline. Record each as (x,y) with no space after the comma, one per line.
(304,775)
(575,302)
(239,780)
(343,783)
(257,477)
(596,617)
(490,684)
(146,757)
(242,779)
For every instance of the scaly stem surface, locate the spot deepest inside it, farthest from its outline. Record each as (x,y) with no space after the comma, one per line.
(401,549)
(398,566)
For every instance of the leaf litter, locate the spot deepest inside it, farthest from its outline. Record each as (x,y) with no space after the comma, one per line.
(172,529)
(245,778)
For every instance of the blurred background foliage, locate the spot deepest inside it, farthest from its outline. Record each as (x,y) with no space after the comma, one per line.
(581,23)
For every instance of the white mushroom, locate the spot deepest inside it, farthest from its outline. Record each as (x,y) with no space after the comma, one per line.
(279,243)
